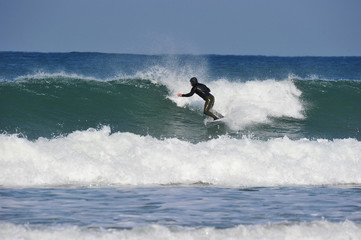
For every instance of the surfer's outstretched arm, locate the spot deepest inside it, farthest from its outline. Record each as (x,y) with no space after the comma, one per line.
(193,90)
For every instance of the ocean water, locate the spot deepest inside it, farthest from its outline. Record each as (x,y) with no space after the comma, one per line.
(99,146)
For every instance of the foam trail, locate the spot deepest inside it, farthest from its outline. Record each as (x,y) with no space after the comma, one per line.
(100,158)
(314,230)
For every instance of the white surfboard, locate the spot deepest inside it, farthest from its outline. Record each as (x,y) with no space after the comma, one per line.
(215,122)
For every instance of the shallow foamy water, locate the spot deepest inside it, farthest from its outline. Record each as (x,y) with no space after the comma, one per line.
(180,212)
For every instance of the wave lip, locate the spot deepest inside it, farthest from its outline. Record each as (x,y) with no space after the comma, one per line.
(96,157)
(45,75)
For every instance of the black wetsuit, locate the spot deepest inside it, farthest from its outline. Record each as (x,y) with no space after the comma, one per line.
(204,92)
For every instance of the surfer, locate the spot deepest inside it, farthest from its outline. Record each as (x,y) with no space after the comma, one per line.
(204,92)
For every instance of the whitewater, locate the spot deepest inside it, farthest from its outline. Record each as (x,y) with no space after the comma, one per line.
(316,230)
(99,145)
(96,157)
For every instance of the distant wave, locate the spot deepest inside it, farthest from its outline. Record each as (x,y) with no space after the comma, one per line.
(96,157)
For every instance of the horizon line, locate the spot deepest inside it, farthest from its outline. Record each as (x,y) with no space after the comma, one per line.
(175,54)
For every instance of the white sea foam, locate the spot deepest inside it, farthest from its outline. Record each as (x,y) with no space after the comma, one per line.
(314,230)
(96,157)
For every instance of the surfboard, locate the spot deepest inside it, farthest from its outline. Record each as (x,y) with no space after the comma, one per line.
(218,114)
(219,121)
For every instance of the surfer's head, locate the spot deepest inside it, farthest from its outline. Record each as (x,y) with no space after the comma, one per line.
(194,81)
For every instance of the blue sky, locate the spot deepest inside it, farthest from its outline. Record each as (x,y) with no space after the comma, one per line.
(239,27)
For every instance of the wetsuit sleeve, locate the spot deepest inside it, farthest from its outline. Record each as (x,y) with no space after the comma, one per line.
(193,90)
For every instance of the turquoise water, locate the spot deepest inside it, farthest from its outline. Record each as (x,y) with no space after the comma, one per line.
(99,146)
